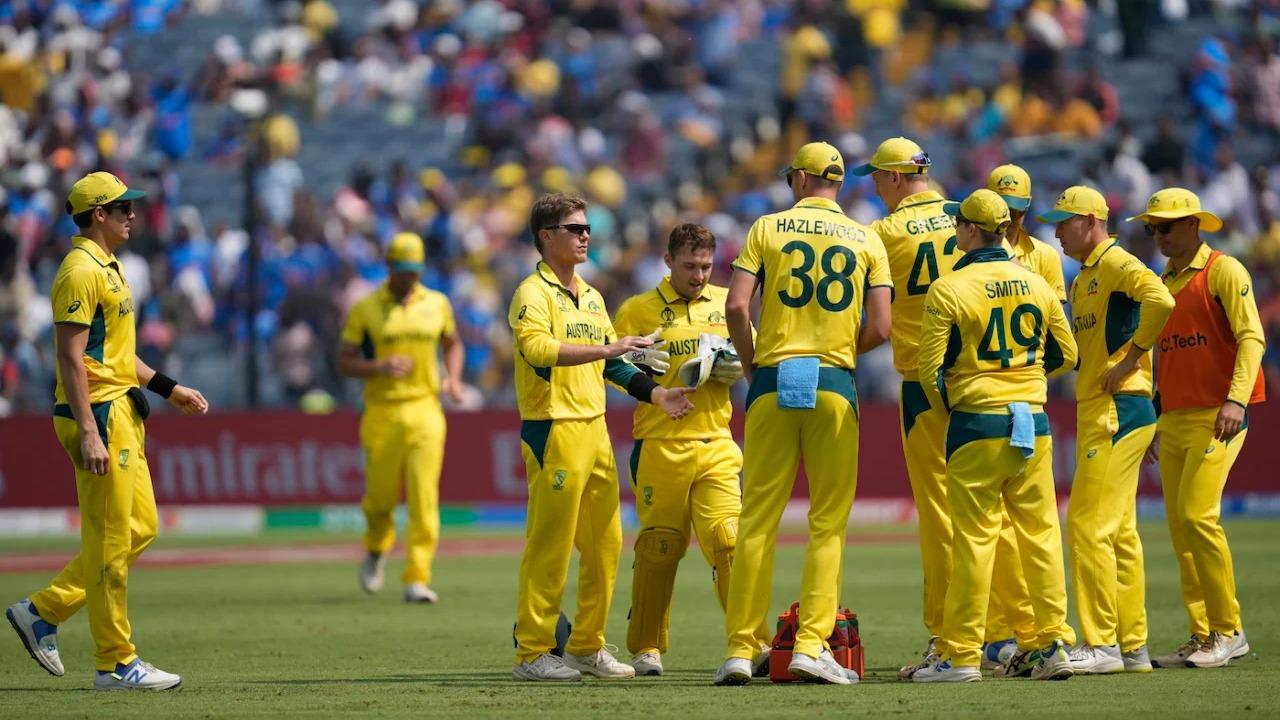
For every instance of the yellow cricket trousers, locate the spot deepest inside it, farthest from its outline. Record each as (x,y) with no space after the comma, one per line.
(118,521)
(404,446)
(982,470)
(1112,435)
(573,502)
(1193,473)
(924,432)
(678,484)
(826,438)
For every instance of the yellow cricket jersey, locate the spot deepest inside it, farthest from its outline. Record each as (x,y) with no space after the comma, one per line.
(920,241)
(680,321)
(1041,259)
(1116,300)
(992,331)
(382,327)
(1231,285)
(544,315)
(89,289)
(814,265)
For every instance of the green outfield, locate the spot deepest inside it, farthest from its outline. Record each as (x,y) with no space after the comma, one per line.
(300,640)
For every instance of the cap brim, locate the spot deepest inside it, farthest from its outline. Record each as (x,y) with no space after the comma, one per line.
(1055,216)
(1017,203)
(405,266)
(951,208)
(786,170)
(1208,221)
(130,194)
(864,170)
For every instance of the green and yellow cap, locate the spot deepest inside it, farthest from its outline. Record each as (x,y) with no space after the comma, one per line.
(818,158)
(983,208)
(1013,184)
(406,253)
(1076,200)
(1176,203)
(898,155)
(97,189)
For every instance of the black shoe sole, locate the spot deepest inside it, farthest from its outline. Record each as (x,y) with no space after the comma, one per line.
(23,637)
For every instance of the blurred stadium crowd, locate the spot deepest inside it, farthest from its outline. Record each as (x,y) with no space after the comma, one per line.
(359,119)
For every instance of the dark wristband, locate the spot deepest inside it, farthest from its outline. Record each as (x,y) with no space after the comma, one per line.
(162,385)
(641,387)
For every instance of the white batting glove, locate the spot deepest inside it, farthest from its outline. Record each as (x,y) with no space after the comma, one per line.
(653,359)
(727,367)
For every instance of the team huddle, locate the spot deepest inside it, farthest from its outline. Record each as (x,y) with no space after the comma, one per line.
(972,306)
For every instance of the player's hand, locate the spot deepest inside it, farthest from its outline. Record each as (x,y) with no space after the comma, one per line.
(673,401)
(1152,456)
(727,367)
(93,452)
(1114,378)
(397,366)
(452,389)
(1230,421)
(654,358)
(188,400)
(622,346)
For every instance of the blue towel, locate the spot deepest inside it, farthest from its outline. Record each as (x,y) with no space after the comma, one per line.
(798,383)
(1023,435)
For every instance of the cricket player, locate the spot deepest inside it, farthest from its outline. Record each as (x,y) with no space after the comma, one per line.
(98,417)
(565,349)
(1118,308)
(1208,361)
(920,242)
(816,270)
(992,331)
(685,471)
(391,340)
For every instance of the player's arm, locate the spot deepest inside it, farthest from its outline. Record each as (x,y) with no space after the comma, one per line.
(1231,285)
(737,313)
(937,327)
(879,320)
(1052,274)
(188,400)
(454,353)
(1060,352)
(72,340)
(1155,305)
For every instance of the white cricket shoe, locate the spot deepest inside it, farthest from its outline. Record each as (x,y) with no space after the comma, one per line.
(822,669)
(1137,661)
(600,663)
(1096,659)
(1178,658)
(137,675)
(1219,650)
(1052,662)
(371,577)
(940,671)
(996,655)
(419,593)
(734,671)
(760,665)
(545,668)
(929,656)
(647,663)
(39,637)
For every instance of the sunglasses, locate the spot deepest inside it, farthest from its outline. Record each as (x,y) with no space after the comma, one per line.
(575,228)
(1162,229)
(124,206)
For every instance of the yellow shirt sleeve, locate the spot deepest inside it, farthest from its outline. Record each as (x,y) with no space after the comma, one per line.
(878,274)
(1051,271)
(751,258)
(1059,336)
(1154,299)
(353,329)
(530,321)
(1231,284)
(624,323)
(76,294)
(935,334)
(449,326)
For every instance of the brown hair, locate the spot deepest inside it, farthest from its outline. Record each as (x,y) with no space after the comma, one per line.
(696,237)
(550,209)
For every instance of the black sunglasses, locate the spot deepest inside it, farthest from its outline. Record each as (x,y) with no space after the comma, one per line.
(124,206)
(1161,229)
(575,228)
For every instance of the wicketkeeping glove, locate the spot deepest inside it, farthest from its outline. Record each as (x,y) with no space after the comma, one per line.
(727,367)
(653,360)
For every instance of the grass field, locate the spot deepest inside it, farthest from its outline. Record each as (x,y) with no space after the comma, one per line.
(300,640)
